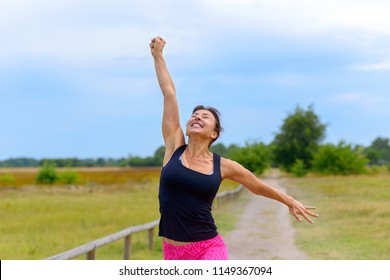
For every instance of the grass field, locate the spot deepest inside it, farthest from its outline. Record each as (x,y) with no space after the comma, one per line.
(354,221)
(41,221)
(21,177)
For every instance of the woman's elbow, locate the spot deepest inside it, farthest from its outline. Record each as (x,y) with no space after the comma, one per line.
(168,91)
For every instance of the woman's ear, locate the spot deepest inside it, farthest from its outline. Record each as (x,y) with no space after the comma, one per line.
(214,135)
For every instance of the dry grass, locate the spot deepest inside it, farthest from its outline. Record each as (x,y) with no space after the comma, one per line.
(88,176)
(355,216)
(41,221)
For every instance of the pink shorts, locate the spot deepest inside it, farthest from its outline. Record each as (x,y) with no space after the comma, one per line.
(211,249)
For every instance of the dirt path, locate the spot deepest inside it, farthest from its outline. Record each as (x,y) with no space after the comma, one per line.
(264,230)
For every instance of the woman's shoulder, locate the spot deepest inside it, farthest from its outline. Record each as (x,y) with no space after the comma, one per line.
(234,171)
(229,167)
(172,152)
(226,162)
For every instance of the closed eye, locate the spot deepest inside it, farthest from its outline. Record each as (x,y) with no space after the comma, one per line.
(204,115)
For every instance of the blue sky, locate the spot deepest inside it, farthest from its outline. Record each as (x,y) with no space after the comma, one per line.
(77,78)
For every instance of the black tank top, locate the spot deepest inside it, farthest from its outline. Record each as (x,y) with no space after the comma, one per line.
(186,197)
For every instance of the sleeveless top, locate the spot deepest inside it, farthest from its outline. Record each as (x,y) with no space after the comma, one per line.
(186,197)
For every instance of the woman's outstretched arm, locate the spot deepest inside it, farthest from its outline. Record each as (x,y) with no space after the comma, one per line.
(171,129)
(236,172)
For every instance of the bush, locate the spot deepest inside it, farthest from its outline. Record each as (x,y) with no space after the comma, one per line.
(47,174)
(256,157)
(339,160)
(7,179)
(299,169)
(69,177)
(378,152)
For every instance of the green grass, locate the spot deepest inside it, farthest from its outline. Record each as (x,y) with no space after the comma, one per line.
(354,221)
(225,217)
(41,221)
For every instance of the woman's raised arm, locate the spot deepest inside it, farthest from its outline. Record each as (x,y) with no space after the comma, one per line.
(171,129)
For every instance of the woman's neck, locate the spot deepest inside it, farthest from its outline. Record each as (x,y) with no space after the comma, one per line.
(197,149)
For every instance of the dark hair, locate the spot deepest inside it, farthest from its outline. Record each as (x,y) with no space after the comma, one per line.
(218,128)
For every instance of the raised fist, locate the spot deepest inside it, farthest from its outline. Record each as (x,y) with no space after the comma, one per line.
(156,45)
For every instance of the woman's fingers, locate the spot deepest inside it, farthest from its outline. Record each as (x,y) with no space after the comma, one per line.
(294,213)
(307,208)
(304,212)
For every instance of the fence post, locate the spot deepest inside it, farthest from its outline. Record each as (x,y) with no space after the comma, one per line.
(90,248)
(127,247)
(91,255)
(151,239)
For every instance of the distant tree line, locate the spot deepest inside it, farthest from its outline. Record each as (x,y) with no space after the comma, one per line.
(63,162)
(296,148)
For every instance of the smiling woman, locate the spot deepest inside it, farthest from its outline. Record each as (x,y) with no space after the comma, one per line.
(191,176)
(206,113)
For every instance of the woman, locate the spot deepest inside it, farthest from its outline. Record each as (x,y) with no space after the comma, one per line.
(191,176)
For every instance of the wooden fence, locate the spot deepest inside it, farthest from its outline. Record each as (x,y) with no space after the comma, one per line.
(90,248)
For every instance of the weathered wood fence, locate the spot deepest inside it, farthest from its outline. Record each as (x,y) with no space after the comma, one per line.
(90,248)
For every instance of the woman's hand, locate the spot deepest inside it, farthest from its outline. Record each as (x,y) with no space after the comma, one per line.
(157,45)
(298,209)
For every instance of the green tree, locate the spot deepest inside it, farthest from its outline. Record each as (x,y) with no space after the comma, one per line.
(342,159)
(69,177)
(47,174)
(123,162)
(219,149)
(7,179)
(19,162)
(299,169)
(378,152)
(159,156)
(256,157)
(232,150)
(298,139)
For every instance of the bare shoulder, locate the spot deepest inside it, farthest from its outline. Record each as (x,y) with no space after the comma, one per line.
(231,169)
(234,171)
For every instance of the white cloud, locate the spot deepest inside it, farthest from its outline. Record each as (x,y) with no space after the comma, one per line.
(379,66)
(117,87)
(73,42)
(370,103)
(348,97)
(82,30)
(305,16)
(78,32)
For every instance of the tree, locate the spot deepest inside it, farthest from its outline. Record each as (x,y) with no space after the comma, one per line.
(19,162)
(256,157)
(219,149)
(155,160)
(47,174)
(159,155)
(339,160)
(299,138)
(299,169)
(69,177)
(378,152)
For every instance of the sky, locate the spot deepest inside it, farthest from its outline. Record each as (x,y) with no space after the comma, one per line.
(77,78)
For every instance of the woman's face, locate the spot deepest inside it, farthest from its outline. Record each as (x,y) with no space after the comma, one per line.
(202,122)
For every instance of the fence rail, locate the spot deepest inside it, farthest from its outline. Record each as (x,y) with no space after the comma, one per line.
(90,248)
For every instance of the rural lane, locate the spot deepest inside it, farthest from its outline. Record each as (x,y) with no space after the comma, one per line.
(264,230)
